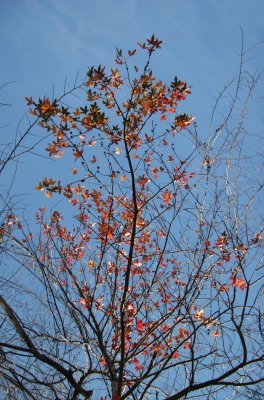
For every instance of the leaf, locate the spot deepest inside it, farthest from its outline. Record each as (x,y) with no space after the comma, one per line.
(78,153)
(77,112)
(118,150)
(59,154)
(40,187)
(167,196)
(93,160)
(138,367)
(131,52)
(84,302)
(216,334)
(142,45)
(154,172)
(140,326)
(199,315)
(45,105)
(29,101)
(238,282)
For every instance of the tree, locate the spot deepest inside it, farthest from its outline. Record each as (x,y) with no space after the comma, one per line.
(147,282)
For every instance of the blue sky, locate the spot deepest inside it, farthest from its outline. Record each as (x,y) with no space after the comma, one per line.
(42,42)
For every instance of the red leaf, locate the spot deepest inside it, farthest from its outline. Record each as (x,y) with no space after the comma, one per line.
(131,52)
(140,326)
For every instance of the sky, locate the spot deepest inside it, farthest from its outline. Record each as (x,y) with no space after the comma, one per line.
(45,42)
(42,43)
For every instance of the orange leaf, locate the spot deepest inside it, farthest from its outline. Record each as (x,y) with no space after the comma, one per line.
(29,101)
(198,315)
(216,334)
(59,154)
(45,105)
(78,153)
(84,302)
(74,171)
(238,282)
(77,112)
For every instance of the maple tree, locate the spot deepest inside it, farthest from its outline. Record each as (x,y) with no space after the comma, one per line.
(147,282)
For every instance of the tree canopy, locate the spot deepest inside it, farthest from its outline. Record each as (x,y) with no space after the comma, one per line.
(146,280)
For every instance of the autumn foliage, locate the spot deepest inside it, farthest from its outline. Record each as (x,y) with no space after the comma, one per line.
(149,280)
